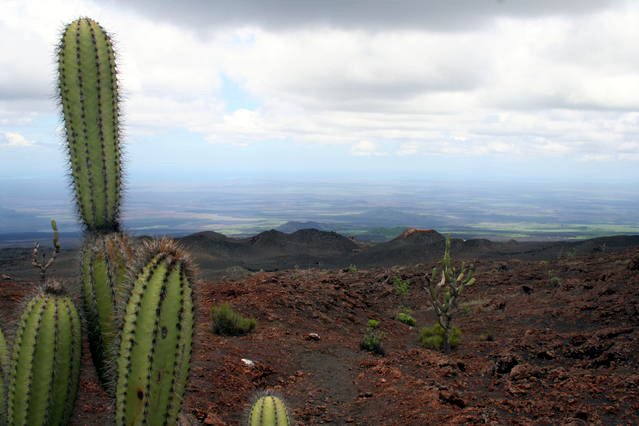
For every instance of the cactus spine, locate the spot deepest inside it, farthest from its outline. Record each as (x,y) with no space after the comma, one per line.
(45,365)
(269,410)
(155,343)
(87,90)
(4,362)
(104,277)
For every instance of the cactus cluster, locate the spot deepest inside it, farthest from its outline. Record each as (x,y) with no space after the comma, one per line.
(87,89)
(104,285)
(45,364)
(269,410)
(155,343)
(140,322)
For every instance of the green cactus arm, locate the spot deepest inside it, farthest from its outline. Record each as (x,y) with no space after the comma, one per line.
(137,334)
(104,285)
(88,95)
(155,343)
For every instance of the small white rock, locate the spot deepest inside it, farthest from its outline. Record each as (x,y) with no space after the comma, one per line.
(312,336)
(248,362)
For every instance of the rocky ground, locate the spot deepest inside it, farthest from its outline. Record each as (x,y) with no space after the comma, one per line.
(545,342)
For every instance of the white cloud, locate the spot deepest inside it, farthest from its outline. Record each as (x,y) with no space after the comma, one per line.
(537,82)
(409,148)
(14,140)
(366,149)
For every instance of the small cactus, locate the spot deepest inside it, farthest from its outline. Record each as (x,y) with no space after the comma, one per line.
(45,364)
(269,410)
(104,278)
(4,362)
(155,343)
(88,94)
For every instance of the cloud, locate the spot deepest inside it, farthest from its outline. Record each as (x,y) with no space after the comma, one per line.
(447,15)
(409,148)
(367,149)
(14,140)
(542,80)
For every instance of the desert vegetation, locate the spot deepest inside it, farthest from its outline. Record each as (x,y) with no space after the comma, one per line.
(228,322)
(159,360)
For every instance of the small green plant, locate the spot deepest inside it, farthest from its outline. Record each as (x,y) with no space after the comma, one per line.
(434,337)
(269,410)
(555,281)
(372,340)
(405,316)
(39,261)
(445,286)
(402,287)
(372,324)
(227,322)
(351,268)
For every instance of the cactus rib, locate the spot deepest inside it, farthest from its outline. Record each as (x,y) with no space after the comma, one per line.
(4,363)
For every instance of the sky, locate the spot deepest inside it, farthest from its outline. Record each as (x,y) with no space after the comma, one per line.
(408,89)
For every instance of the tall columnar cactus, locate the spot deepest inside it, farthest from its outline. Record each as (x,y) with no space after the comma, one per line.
(88,94)
(4,362)
(104,276)
(269,410)
(155,343)
(45,364)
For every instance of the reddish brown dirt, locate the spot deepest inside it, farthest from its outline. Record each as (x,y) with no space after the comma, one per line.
(536,350)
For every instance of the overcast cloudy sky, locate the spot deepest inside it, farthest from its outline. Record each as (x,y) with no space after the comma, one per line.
(492,89)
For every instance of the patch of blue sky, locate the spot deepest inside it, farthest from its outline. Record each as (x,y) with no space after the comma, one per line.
(235,96)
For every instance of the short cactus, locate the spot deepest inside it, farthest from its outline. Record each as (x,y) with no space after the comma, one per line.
(45,364)
(4,363)
(104,278)
(88,94)
(269,410)
(155,343)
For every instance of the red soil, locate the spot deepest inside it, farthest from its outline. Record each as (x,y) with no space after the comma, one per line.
(535,350)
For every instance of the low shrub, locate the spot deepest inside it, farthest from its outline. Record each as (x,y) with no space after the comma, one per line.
(372,340)
(402,287)
(433,337)
(372,324)
(227,322)
(405,317)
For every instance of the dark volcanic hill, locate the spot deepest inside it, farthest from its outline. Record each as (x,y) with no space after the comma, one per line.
(275,250)
(217,254)
(271,250)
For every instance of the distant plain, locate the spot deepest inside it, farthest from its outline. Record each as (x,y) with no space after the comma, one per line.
(366,209)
